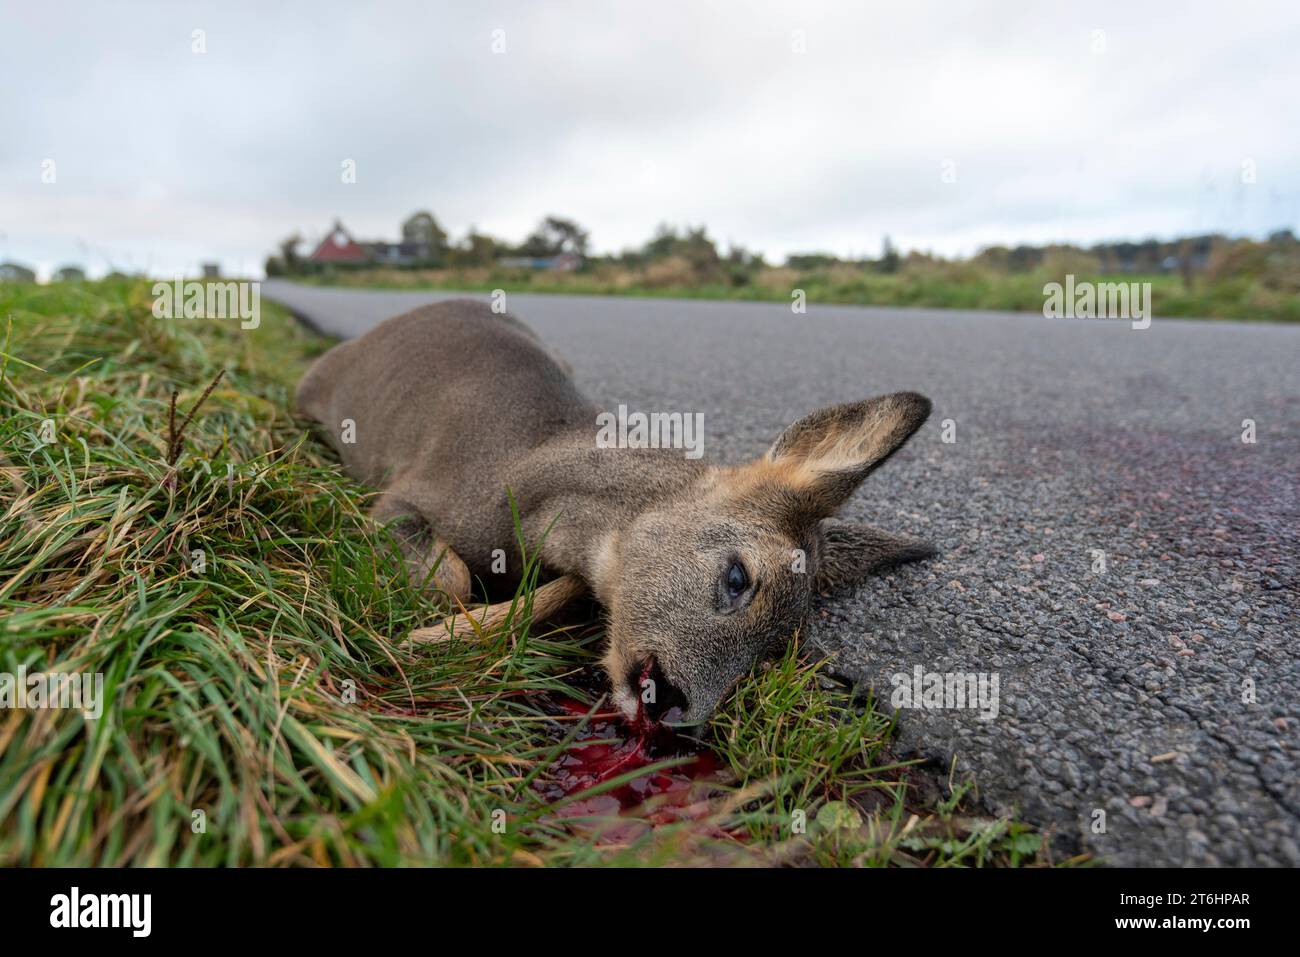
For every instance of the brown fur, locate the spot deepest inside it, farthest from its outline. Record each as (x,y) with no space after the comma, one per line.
(454,404)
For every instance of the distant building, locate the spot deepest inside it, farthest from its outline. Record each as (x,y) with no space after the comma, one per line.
(564,262)
(397,254)
(13,272)
(212,270)
(419,247)
(70,274)
(339,246)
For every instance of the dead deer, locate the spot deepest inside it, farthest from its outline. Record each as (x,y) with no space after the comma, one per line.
(703,569)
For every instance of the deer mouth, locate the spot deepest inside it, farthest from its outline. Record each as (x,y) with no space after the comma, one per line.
(658,699)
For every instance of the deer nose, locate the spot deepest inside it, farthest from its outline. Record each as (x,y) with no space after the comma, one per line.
(665,702)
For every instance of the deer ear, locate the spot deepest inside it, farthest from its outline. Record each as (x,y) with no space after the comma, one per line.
(826,454)
(848,552)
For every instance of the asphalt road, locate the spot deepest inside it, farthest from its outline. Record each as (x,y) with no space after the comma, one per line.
(1163,691)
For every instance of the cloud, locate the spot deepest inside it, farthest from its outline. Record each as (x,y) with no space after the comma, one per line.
(1117,121)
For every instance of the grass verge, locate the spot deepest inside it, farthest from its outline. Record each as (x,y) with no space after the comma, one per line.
(946,286)
(258,707)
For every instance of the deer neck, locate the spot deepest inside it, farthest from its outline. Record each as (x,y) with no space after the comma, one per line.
(575,497)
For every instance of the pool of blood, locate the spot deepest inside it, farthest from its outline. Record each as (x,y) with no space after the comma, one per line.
(610,746)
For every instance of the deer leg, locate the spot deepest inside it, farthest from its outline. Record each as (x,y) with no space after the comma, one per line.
(429,560)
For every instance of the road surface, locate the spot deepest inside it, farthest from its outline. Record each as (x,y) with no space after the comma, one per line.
(1112,550)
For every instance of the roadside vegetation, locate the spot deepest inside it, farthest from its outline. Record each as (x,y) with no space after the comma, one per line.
(921,285)
(1209,276)
(259,704)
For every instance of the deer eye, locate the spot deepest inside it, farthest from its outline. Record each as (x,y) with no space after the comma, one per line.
(737,580)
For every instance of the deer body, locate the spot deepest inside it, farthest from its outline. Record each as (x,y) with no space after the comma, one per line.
(448,406)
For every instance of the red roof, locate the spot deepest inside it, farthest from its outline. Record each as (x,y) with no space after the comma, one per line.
(338,247)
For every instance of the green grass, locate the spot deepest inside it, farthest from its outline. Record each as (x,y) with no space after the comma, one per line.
(269,689)
(940,286)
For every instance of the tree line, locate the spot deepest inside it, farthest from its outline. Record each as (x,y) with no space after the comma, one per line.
(697,256)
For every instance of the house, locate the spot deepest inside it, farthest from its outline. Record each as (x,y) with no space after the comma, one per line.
(13,272)
(564,262)
(405,253)
(338,246)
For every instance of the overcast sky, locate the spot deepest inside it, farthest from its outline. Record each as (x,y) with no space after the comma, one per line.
(1078,122)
